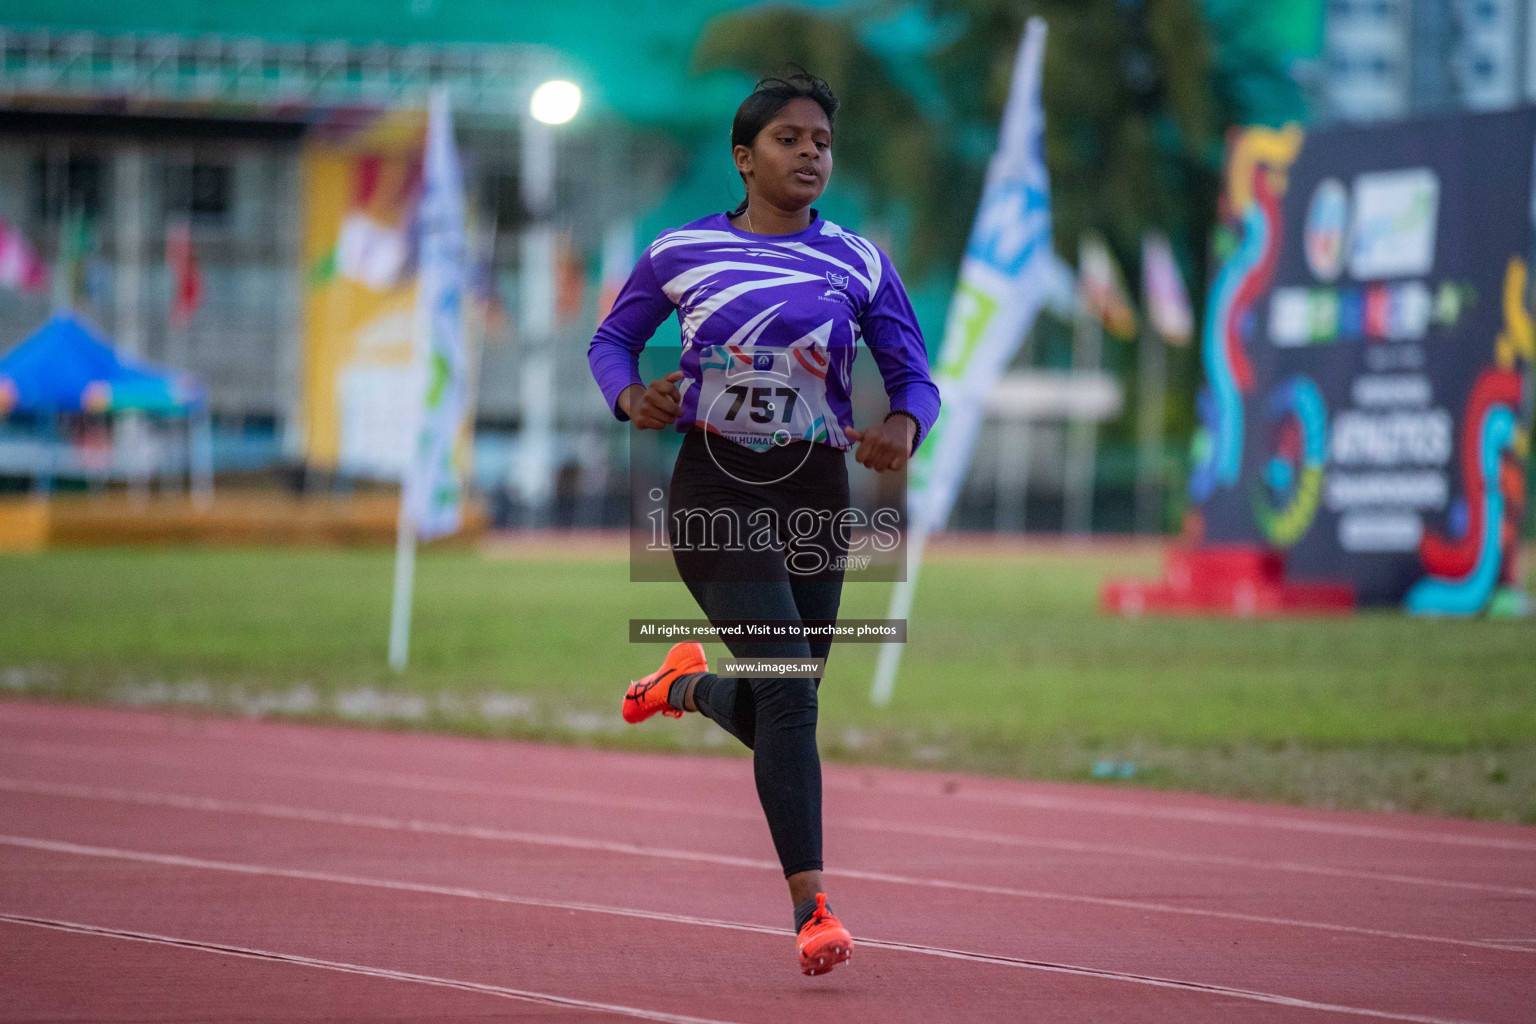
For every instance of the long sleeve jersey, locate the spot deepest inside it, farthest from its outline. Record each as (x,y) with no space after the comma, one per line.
(770,328)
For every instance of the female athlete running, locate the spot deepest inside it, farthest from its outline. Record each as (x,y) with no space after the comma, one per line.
(772,301)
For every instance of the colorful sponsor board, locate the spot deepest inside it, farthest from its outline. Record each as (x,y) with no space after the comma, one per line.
(1368,353)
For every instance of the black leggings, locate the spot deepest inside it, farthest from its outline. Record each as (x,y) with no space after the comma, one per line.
(774,717)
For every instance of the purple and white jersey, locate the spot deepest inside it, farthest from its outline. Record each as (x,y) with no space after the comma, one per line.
(770,328)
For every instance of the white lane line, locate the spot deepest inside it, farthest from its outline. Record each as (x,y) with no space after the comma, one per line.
(402,780)
(691,856)
(1200,815)
(172,860)
(1219,860)
(970,790)
(522,995)
(284,737)
(577,797)
(1234,993)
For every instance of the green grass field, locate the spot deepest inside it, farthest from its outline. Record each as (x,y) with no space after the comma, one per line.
(1009,669)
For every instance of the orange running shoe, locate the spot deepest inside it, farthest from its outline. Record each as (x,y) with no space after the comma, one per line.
(649,695)
(824,942)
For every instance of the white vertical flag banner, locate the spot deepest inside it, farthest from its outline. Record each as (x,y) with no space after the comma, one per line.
(1171,321)
(432,488)
(1164,296)
(434,475)
(1008,272)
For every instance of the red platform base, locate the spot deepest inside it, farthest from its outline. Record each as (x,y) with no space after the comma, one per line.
(1236,581)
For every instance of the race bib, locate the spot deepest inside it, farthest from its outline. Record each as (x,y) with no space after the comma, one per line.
(762,397)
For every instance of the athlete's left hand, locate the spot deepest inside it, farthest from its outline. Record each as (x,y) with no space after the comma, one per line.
(885,446)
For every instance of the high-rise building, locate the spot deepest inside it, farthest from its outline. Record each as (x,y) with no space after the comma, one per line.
(1387,59)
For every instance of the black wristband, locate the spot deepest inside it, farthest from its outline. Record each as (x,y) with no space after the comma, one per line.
(917,435)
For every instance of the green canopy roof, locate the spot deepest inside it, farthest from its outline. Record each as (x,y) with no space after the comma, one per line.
(630,58)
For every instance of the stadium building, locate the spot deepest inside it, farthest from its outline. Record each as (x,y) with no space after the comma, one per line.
(129,130)
(1390,59)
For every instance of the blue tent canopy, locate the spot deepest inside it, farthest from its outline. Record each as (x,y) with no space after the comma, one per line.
(66,366)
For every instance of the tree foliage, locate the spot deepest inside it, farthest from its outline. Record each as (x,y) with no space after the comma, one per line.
(1132,133)
(881,135)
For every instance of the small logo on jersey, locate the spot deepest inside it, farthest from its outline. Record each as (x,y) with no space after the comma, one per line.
(836,293)
(762,361)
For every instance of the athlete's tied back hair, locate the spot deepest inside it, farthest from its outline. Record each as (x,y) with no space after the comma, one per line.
(768,97)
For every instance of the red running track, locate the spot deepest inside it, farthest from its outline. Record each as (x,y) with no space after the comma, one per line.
(163,867)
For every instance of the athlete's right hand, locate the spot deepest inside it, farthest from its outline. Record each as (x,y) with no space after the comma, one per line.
(656,406)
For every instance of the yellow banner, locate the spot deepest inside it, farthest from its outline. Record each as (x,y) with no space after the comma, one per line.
(360,194)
